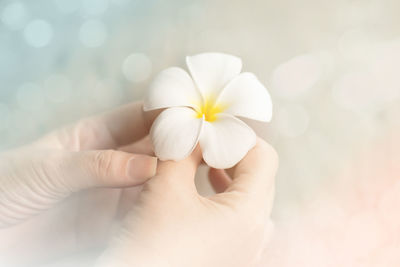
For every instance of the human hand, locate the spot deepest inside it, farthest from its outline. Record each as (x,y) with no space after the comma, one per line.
(172,225)
(80,166)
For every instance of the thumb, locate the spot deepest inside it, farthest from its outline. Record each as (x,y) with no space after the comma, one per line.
(254,176)
(106,168)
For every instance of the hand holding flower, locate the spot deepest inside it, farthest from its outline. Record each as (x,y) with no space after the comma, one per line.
(171,225)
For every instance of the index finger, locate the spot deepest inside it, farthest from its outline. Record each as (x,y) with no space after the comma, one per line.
(109,130)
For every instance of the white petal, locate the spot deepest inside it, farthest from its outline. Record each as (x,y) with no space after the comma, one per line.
(226,141)
(245,96)
(175,133)
(212,71)
(173,87)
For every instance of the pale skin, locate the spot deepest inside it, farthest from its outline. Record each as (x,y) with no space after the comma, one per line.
(92,184)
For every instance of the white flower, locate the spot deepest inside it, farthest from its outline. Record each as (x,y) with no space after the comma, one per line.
(204,109)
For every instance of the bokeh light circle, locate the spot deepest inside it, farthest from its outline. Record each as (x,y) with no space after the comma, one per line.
(356,91)
(94,7)
(30,97)
(297,75)
(68,6)
(38,33)
(137,67)
(93,33)
(292,120)
(14,15)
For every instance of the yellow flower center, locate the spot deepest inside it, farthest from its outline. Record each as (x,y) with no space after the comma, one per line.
(209,109)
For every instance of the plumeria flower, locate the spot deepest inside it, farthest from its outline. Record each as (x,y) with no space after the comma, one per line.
(202,108)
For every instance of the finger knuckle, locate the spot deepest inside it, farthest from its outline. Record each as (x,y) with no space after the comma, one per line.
(46,173)
(102,163)
(87,130)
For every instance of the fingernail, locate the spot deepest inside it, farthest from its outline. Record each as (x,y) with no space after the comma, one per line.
(141,167)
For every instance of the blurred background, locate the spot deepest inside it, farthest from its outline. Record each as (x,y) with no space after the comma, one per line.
(332,68)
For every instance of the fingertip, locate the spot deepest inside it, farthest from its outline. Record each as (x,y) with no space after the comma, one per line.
(140,168)
(260,158)
(107,168)
(143,146)
(267,152)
